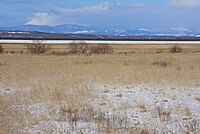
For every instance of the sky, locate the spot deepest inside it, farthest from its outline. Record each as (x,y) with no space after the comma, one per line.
(127,14)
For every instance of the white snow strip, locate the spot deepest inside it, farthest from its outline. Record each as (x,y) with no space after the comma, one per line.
(101,42)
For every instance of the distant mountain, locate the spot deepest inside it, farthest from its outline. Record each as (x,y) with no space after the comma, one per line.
(62,29)
(75,31)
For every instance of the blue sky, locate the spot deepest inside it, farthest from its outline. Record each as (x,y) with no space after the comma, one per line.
(150,14)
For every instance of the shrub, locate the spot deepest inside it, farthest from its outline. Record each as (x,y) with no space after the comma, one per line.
(59,53)
(12,52)
(1,49)
(175,49)
(161,63)
(105,49)
(159,51)
(37,47)
(78,48)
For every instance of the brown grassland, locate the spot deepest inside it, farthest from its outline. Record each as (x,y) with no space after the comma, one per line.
(148,48)
(65,81)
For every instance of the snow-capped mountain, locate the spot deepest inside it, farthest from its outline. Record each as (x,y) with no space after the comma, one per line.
(63,29)
(92,31)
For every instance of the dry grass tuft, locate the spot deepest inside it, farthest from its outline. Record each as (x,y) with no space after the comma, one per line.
(119,95)
(198,99)
(188,112)
(164,114)
(142,107)
(176,49)
(1,49)
(59,53)
(102,49)
(106,91)
(161,63)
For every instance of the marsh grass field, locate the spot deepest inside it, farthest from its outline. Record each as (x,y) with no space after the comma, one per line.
(139,89)
(135,48)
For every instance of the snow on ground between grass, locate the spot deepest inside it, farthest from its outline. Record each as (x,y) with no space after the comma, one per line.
(138,108)
(120,109)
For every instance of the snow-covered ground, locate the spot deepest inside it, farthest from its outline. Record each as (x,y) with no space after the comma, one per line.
(101,42)
(122,109)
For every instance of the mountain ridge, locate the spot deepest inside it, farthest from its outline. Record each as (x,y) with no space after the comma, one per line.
(81,31)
